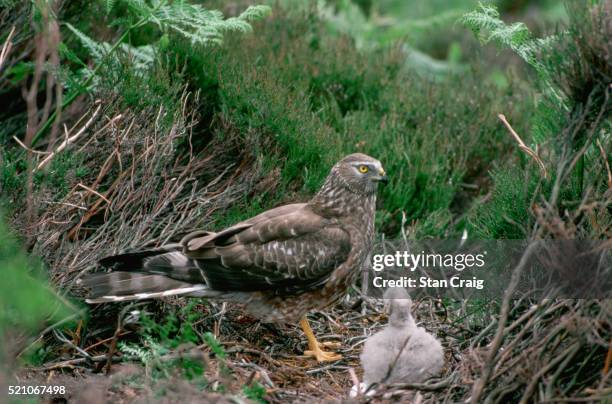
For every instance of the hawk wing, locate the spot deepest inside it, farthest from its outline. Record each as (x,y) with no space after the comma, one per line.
(286,249)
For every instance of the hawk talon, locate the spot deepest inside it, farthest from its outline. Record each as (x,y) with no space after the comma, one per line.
(322,356)
(314,346)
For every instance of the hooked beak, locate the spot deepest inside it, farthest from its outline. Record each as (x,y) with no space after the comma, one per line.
(383,177)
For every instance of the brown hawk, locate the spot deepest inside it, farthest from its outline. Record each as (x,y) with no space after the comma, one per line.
(279,264)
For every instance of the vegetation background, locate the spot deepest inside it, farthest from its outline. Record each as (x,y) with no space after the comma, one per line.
(127,123)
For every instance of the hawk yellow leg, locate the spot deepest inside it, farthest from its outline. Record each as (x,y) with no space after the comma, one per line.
(314,347)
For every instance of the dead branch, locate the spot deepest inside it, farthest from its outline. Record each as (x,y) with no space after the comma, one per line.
(70,139)
(493,349)
(6,47)
(605,162)
(523,146)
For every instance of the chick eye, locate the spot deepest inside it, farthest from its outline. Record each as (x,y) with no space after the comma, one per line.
(363,169)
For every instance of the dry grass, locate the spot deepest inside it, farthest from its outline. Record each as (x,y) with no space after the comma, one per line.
(139,190)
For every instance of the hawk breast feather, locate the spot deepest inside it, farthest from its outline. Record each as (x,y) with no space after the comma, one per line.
(285,250)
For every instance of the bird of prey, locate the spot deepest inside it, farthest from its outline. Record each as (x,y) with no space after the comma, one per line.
(279,264)
(402,352)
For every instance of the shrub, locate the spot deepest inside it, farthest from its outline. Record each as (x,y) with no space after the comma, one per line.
(570,129)
(300,100)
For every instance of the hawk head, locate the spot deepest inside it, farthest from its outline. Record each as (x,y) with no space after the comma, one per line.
(360,173)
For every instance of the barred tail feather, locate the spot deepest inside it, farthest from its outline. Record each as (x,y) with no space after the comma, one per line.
(134,260)
(144,275)
(194,289)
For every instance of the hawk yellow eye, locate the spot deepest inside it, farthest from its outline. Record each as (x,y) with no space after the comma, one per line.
(363,169)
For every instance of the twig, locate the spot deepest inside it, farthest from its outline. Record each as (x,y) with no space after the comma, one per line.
(70,139)
(332,366)
(106,340)
(49,328)
(606,164)
(534,381)
(242,349)
(70,363)
(60,336)
(591,399)
(523,146)
(94,192)
(26,148)
(6,48)
(480,384)
(423,386)
(606,367)
(262,372)
(72,234)
(393,389)
(113,347)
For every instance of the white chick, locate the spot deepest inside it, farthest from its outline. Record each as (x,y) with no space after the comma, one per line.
(401,352)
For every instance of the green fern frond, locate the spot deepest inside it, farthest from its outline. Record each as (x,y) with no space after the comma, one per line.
(485,17)
(253,13)
(141,57)
(108,6)
(487,25)
(143,355)
(96,49)
(485,22)
(201,26)
(155,348)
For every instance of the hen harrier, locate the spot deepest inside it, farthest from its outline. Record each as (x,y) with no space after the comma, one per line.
(279,264)
(401,352)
